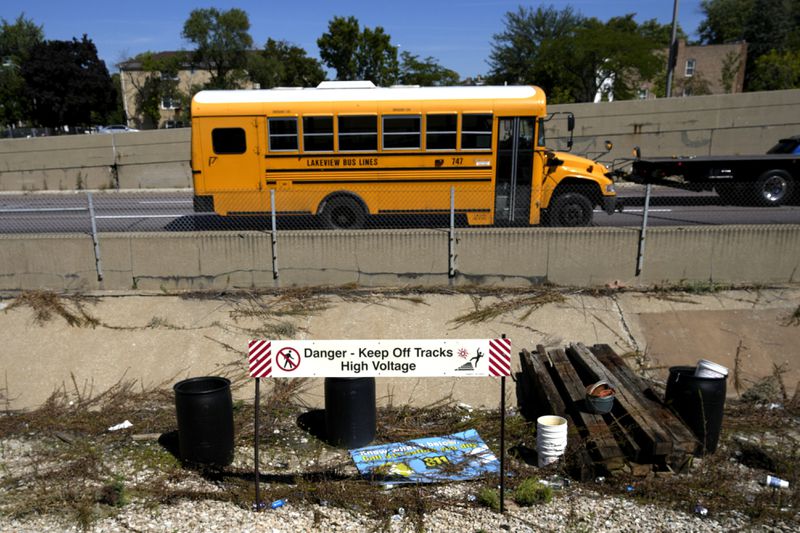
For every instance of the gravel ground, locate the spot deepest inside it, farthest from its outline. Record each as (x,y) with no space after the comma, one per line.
(576,510)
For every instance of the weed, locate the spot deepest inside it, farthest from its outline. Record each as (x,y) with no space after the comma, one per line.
(532,492)
(114,493)
(489,497)
(793,318)
(526,302)
(45,304)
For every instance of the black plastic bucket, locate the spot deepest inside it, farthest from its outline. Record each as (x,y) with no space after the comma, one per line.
(205,420)
(350,411)
(699,402)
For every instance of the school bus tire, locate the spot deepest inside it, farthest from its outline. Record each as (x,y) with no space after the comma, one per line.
(570,209)
(343,212)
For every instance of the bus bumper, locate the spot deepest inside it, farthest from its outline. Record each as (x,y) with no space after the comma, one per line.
(203,204)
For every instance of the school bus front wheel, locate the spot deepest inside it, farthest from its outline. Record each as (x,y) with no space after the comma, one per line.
(571,209)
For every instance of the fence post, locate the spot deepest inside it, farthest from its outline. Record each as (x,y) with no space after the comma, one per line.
(643,231)
(98,263)
(451,245)
(274,237)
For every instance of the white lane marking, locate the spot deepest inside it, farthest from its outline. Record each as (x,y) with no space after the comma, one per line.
(626,210)
(165,201)
(143,216)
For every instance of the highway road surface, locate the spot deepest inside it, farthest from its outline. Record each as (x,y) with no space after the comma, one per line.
(172,211)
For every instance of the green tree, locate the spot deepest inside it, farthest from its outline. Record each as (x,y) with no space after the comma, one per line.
(281,64)
(731,64)
(724,21)
(528,51)
(766,26)
(776,71)
(357,54)
(16,41)
(68,85)
(572,57)
(425,72)
(222,42)
(338,46)
(376,57)
(159,84)
(117,114)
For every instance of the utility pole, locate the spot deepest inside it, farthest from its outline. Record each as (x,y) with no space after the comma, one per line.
(673,48)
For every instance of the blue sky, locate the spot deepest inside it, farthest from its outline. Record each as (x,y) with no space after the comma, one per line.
(459,37)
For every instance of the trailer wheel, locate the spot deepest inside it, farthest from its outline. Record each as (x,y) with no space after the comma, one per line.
(570,210)
(773,188)
(343,212)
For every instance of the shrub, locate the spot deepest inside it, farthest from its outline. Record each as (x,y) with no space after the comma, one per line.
(531,492)
(489,498)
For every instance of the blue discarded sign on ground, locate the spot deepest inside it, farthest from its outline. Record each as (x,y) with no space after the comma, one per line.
(455,457)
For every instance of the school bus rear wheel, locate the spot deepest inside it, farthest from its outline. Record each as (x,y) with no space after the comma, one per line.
(343,212)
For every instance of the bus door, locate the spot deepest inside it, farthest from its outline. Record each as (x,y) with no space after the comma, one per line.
(512,194)
(232,164)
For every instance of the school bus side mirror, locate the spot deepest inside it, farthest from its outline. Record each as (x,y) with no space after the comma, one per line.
(570,122)
(609,146)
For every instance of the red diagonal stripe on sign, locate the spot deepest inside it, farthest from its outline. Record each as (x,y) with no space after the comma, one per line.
(500,357)
(257,349)
(260,358)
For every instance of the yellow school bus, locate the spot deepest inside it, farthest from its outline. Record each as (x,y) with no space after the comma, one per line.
(344,151)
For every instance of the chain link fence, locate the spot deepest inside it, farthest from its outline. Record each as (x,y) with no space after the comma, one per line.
(276,211)
(320,209)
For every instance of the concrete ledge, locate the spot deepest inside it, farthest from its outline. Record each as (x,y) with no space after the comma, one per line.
(511,257)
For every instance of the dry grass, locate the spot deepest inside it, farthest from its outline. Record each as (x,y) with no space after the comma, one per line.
(47,304)
(74,465)
(524,303)
(794,318)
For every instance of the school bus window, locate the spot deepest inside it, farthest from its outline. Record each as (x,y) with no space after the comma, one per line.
(318,134)
(282,134)
(441,131)
(358,133)
(228,141)
(476,132)
(401,132)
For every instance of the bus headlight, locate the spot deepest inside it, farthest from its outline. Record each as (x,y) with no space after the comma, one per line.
(610,188)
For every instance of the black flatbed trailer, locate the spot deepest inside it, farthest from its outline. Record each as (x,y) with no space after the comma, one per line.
(771,179)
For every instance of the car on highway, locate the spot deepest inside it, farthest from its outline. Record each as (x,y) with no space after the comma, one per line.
(115,128)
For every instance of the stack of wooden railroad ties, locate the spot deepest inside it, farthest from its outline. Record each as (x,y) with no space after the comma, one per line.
(640,435)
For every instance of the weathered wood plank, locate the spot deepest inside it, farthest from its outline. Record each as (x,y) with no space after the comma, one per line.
(597,432)
(629,399)
(580,463)
(542,383)
(684,441)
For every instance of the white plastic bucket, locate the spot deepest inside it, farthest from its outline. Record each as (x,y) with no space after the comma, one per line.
(551,438)
(709,369)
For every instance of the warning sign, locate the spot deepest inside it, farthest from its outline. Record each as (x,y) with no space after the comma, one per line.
(380,358)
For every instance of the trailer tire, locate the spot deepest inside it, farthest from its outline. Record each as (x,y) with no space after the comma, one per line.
(773,188)
(571,209)
(343,212)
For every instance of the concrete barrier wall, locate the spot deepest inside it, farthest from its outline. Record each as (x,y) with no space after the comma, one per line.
(703,125)
(511,257)
(143,160)
(727,124)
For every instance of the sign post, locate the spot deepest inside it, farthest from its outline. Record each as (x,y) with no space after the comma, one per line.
(383,358)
